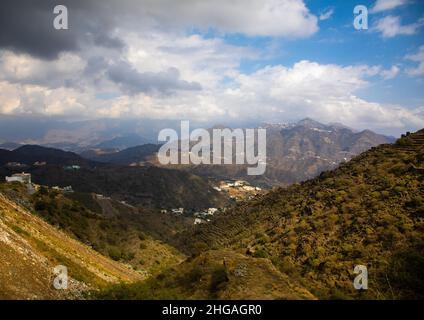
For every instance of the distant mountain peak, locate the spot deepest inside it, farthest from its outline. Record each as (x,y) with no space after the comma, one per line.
(310,123)
(339,125)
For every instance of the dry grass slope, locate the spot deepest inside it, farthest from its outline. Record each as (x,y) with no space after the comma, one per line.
(29,250)
(215,274)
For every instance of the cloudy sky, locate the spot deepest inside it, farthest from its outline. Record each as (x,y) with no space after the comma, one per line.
(240,60)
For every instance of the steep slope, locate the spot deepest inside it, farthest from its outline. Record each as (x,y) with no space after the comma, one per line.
(369,211)
(124,233)
(216,274)
(29,250)
(302,150)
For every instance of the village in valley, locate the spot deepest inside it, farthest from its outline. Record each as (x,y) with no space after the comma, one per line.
(236,190)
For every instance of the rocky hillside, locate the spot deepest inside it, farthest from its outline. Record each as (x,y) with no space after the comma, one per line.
(29,250)
(215,274)
(301,151)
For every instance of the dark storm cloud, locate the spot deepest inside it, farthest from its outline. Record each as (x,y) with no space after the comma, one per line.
(27,26)
(133,82)
(104,40)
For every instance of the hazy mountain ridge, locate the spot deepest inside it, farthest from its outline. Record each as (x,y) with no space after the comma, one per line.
(295,152)
(299,151)
(135,155)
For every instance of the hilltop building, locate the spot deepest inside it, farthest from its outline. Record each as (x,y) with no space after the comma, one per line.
(20,177)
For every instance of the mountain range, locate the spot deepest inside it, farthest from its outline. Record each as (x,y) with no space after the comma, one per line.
(295,152)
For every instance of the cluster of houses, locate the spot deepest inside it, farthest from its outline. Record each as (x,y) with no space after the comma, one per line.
(199,216)
(204,216)
(67,189)
(175,211)
(238,189)
(241,184)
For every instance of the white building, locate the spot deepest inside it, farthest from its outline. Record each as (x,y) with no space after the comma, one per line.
(68,189)
(178,211)
(198,221)
(20,177)
(211,211)
(239,183)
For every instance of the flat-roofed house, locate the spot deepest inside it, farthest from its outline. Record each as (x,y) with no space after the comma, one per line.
(20,177)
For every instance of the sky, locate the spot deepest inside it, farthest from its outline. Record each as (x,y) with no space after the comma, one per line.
(234,61)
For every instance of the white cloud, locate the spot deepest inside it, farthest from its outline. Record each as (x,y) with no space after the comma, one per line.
(326,14)
(286,18)
(390,73)
(23,68)
(383,5)
(206,61)
(417,57)
(9,97)
(323,92)
(391,26)
(327,92)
